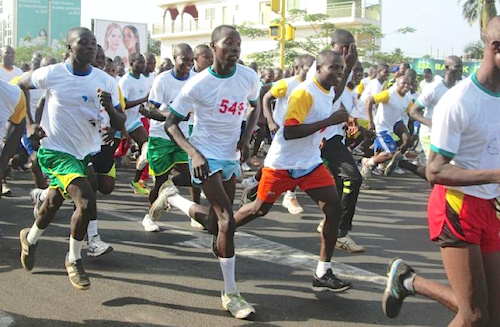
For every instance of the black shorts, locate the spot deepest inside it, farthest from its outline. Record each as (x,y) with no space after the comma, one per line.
(103,161)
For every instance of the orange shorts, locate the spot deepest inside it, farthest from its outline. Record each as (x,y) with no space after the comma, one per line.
(275,181)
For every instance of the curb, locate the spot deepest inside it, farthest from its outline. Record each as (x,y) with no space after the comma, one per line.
(5,319)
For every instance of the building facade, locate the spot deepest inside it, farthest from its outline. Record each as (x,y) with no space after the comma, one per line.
(25,23)
(193,21)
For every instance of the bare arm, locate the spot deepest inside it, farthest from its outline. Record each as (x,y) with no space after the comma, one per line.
(116,116)
(14,134)
(268,113)
(33,131)
(416,112)
(151,111)
(440,171)
(350,58)
(303,130)
(133,103)
(370,102)
(243,143)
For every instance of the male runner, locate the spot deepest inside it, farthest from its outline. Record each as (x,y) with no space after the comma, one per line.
(219,97)
(308,115)
(163,154)
(464,165)
(7,69)
(71,124)
(391,104)
(428,79)
(135,91)
(203,58)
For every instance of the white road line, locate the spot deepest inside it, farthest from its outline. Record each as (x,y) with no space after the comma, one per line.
(5,320)
(257,248)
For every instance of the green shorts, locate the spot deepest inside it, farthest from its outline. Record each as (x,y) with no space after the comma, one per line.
(62,168)
(163,155)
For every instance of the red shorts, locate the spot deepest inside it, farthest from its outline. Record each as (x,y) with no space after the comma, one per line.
(274,182)
(456,219)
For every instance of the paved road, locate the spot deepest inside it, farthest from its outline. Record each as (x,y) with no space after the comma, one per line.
(171,278)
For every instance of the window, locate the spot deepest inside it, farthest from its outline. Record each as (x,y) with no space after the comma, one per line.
(224,15)
(210,13)
(292,4)
(265,13)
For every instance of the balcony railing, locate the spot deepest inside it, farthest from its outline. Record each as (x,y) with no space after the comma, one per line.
(353,9)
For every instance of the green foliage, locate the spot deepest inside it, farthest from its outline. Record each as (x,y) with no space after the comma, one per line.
(250,31)
(24,54)
(154,46)
(482,10)
(474,50)
(392,58)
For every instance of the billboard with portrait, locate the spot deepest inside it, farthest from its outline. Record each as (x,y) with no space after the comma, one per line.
(121,39)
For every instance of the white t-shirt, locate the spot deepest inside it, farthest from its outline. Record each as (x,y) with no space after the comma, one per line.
(72,117)
(8,75)
(281,91)
(429,98)
(219,104)
(12,106)
(309,103)
(373,87)
(466,127)
(149,81)
(133,89)
(165,88)
(348,99)
(391,106)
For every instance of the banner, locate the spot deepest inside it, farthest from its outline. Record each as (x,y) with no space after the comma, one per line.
(46,22)
(437,66)
(121,39)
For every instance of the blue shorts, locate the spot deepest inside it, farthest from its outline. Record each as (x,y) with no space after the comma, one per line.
(130,129)
(228,168)
(27,144)
(385,142)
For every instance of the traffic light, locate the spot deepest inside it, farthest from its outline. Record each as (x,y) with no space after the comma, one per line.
(275,31)
(276,5)
(289,32)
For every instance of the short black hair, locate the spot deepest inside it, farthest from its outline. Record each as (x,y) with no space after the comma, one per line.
(427,71)
(381,67)
(134,57)
(180,48)
(216,34)
(201,48)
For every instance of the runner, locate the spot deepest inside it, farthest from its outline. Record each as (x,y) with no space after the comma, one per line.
(135,91)
(163,154)
(13,110)
(77,92)
(309,113)
(428,79)
(391,104)
(464,165)
(219,97)
(364,82)
(203,58)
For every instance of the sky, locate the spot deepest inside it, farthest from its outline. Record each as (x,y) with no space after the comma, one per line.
(439,23)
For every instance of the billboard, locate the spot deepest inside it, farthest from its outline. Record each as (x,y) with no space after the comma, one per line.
(121,39)
(437,66)
(45,22)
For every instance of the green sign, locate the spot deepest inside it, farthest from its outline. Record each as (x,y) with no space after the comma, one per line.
(32,22)
(45,22)
(437,66)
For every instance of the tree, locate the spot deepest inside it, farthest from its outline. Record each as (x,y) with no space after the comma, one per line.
(474,50)
(24,54)
(154,46)
(482,10)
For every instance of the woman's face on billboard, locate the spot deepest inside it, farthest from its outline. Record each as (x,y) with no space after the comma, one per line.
(129,39)
(114,39)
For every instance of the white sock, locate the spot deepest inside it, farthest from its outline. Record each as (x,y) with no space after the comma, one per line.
(322,268)
(371,163)
(408,283)
(75,250)
(181,203)
(227,267)
(34,234)
(43,194)
(92,229)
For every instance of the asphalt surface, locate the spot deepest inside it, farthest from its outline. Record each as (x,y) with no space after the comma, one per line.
(167,279)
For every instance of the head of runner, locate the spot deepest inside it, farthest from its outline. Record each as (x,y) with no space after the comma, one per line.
(329,69)
(403,85)
(150,63)
(203,57)
(100,58)
(82,48)
(183,60)
(341,40)
(226,47)
(382,72)
(8,56)
(453,70)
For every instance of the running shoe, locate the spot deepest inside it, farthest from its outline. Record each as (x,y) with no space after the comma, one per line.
(395,292)
(161,203)
(320,226)
(35,198)
(366,171)
(149,225)
(347,244)
(377,171)
(96,247)
(255,161)
(245,167)
(77,275)
(399,171)
(329,282)
(291,204)
(6,191)
(138,188)
(27,250)
(393,163)
(197,225)
(236,305)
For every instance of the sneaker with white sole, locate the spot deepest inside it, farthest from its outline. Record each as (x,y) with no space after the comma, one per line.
(6,191)
(320,226)
(290,202)
(366,170)
(393,163)
(399,171)
(197,225)
(245,167)
(35,198)
(347,244)
(236,305)
(77,275)
(329,282)
(149,225)
(395,292)
(96,247)
(161,203)
(27,250)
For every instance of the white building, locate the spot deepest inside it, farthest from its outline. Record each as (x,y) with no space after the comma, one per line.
(187,21)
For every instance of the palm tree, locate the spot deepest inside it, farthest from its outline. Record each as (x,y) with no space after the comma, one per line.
(482,10)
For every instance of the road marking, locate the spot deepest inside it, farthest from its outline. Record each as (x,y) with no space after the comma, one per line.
(257,248)
(5,319)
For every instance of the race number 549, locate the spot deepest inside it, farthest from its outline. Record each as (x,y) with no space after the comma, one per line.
(235,108)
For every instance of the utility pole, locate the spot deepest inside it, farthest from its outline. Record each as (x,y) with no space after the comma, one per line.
(282,39)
